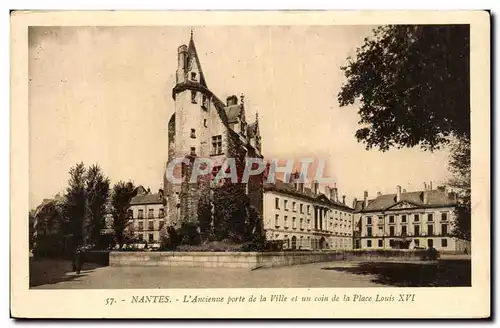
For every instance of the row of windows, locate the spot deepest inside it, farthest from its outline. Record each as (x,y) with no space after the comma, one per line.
(301,207)
(150,237)
(294,226)
(416,218)
(430,243)
(416,230)
(302,222)
(140,213)
(150,225)
(307,242)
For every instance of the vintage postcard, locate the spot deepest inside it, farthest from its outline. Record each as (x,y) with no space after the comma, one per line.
(250,164)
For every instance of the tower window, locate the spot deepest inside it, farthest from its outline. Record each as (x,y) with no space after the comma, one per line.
(193,76)
(193,97)
(204,103)
(193,133)
(193,151)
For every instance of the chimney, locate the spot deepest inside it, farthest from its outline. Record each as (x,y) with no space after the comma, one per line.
(425,185)
(404,190)
(328,192)
(379,194)
(354,202)
(343,199)
(232,100)
(365,199)
(335,194)
(430,185)
(398,194)
(160,193)
(315,186)
(286,178)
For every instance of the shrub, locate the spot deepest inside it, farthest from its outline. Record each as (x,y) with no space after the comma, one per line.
(214,246)
(189,234)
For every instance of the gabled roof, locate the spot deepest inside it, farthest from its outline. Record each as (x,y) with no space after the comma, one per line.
(282,187)
(435,198)
(146,199)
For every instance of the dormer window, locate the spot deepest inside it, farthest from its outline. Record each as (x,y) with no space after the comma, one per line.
(193,76)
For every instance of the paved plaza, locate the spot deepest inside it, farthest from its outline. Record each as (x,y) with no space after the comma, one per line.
(55,274)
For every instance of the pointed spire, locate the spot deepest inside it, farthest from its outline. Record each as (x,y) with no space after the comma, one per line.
(192,54)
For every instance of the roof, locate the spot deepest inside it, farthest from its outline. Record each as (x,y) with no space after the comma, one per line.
(282,187)
(233,112)
(435,198)
(146,199)
(358,206)
(192,53)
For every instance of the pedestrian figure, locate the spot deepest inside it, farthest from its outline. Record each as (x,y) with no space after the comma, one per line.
(78,260)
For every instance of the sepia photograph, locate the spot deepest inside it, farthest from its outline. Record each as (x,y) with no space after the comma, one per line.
(201,156)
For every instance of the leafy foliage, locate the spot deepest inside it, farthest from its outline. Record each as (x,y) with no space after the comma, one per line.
(460,168)
(123,192)
(74,207)
(412,82)
(230,206)
(97,191)
(204,212)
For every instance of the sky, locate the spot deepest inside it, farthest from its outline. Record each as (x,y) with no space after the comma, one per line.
(103,95)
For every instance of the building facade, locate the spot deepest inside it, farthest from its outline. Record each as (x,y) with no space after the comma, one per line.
(203,126)
(304,218)
(147,216)
(407,220)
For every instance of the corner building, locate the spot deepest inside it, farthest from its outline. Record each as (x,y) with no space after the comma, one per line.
(408,220)
(205,126)
(305,218)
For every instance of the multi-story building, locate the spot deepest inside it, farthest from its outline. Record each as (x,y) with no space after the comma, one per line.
(304,218)
(204,126)
(419,219)
(147,215)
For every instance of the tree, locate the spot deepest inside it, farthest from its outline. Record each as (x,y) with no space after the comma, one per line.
(74,206)
(412,82)
(123,192)
(230,211)
(204,212)
(31,227)
(97,192)
(460,182)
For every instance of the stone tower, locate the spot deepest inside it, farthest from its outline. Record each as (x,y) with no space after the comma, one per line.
(203,126)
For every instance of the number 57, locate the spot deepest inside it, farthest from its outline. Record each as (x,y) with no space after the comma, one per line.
(110,301)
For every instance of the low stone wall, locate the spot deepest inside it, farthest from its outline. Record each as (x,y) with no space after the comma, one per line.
(250,260)
(384,255)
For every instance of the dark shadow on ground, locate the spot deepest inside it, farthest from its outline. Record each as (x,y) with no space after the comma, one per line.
(442,273)
(51,271)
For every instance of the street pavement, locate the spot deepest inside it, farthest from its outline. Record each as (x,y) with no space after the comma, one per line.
(57,276)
